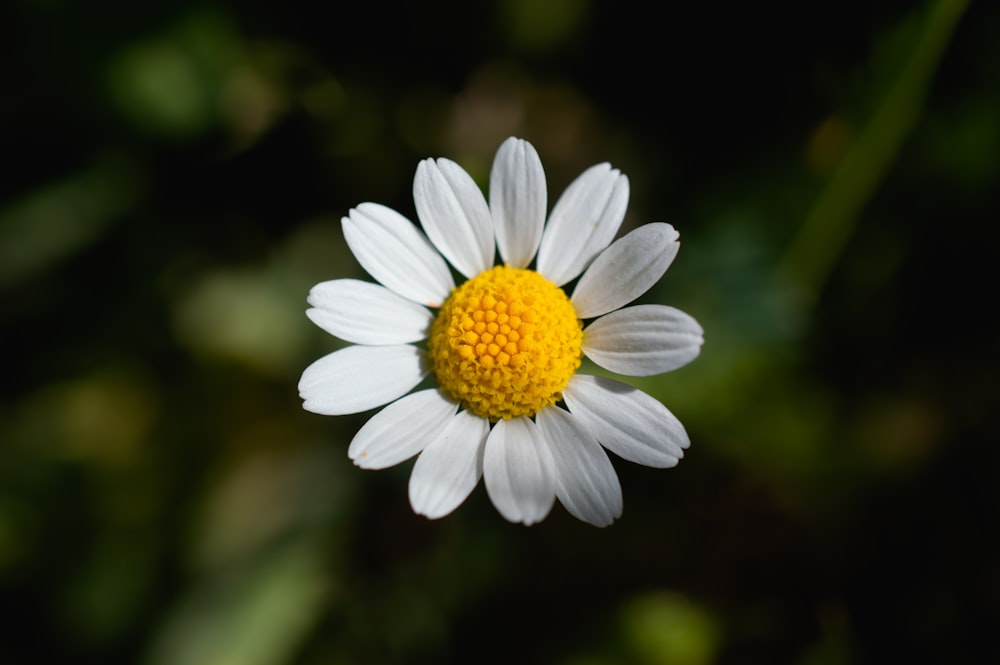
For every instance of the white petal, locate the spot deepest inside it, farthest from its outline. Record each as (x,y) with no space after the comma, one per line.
(625,270)
(454,215)
(518,471)
(586,483)
(401,430)
(359,378)
(628,422)
(450,467)
(367,313)
(643,340)
(517,201)
(583,221)
(394,251)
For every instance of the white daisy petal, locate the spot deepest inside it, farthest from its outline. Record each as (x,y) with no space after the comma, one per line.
(625,270)
(455,215)
(643,340)
(583,221)
(359,378)
(628,422)
(518,472)
(367,313)
(394,251)
(402,429)
(517,201)
(450,467)
(586,483)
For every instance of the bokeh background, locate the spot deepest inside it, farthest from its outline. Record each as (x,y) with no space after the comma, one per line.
(174,177)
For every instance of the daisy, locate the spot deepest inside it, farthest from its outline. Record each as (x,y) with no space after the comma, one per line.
(504,346)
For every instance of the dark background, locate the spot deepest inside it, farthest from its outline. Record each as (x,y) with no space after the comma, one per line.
(175,173)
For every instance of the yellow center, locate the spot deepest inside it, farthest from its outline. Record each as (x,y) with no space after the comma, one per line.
(506,343)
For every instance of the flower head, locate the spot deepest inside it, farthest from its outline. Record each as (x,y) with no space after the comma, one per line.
(505,345)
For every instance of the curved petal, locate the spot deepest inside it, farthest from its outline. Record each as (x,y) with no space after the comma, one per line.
(359,378)
(450,467)
(397,254)
(367,313)
(518,471)
(625,270)
(628,422)
(586,483)
(454,215)
(643,340)
(583,221)
(517,201)
(401,430)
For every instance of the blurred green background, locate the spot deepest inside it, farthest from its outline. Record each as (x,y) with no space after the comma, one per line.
(175,174)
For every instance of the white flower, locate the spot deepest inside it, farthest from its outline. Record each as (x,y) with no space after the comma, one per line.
(504,346)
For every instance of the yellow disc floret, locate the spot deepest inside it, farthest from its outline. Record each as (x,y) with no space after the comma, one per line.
(506,343)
